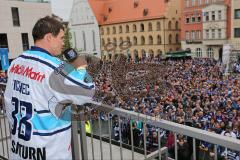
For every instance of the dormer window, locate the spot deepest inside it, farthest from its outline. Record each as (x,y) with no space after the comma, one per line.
(105,18)
(109,9)
(135,4)
(145,12)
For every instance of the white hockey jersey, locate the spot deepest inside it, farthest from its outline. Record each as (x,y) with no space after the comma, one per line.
(36,83)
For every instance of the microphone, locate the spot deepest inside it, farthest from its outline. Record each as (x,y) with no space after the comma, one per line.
(70,54)
(74,59)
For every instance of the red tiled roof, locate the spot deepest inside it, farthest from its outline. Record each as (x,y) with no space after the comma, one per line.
(117,11)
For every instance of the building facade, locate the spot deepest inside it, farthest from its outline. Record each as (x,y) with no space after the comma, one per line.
(151,27)
(206,27)
(84,28)
(17,20)
(235,33)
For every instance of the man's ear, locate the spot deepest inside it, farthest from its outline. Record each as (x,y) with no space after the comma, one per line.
(48,37)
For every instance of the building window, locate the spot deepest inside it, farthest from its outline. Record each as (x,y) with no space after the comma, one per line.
(169,25)
(103,42)
(187,35)
(115,41)
(199,2)
(158,26)
(149,26)
(206,1)
(213,15)
(210,53)
(84,40)
(207,16)
(199,18)
(3,40)
(134,40)
(134,28)
(193,35)
(198,52)
(102,31)
(193,19)
(108,30)
(15,17)
(159,39)
(94,41)
(213,33)
(219,33)
(75,39)
(141,27)
(207,34)
(142,40)
(237,13)
(120,40)
(177,38)
(193,2)
(176,25)
(108,40)
(237,32)
(187,20)
(170,39)
(150,38)
(128,39)
(114,30)
(198,34)
(120,29)
(219,15)
(187,3)
(127,28)
(25,42)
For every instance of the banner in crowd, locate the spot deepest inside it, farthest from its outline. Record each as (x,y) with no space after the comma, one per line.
(4,58)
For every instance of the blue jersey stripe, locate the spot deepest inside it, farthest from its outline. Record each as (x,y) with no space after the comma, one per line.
(52,133)
(55,68)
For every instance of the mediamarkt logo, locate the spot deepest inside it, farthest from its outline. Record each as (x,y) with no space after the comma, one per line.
(27,72)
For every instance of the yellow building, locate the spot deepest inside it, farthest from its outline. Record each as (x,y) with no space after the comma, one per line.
(152,27)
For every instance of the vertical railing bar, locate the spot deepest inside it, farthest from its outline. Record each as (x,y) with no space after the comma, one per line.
(110,134)
(194,149)
(175,141)
(131,132)
(100,135)
(1,128)
(120,136)
(91,132)
(4,121)
(215,152)
(159,145)
(144,139)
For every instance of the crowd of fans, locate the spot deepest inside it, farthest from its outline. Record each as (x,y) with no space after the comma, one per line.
(193,92)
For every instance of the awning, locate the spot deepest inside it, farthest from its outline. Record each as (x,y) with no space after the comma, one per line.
(177,54)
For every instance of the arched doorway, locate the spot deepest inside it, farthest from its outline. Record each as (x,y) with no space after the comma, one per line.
(143,54)
(151,53)
(136,57)
(220,53)
(110,56)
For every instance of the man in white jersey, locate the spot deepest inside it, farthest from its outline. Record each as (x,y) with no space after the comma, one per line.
(37,82)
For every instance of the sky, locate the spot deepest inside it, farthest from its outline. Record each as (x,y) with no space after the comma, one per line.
(62,8)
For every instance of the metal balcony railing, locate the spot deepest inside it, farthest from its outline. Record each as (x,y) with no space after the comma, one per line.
(100,144)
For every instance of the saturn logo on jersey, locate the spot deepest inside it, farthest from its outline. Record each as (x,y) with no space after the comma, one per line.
(27,72)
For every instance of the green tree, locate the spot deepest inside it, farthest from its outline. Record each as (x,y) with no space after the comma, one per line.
(67,41)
